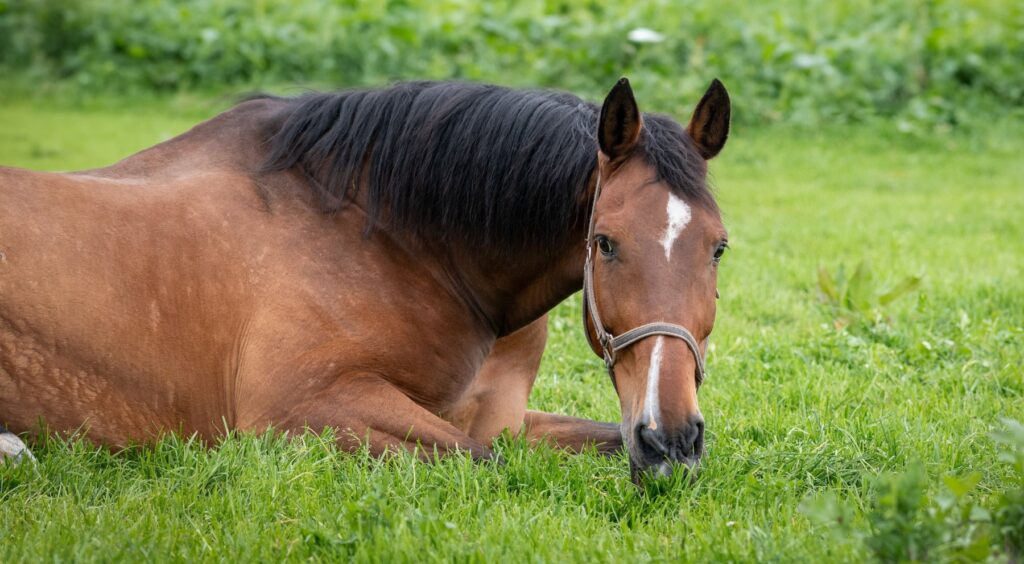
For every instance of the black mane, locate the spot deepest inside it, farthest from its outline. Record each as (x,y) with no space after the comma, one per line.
(479,164)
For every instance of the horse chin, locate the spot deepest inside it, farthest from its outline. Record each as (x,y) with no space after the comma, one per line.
(664,470)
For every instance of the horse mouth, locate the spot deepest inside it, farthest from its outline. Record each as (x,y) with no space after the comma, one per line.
(664,469)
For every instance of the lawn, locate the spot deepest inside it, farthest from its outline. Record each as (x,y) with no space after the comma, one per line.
(796,409)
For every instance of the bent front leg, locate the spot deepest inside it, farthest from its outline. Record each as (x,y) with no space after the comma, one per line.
(496,400)
(498,397)
(572,433)
(368,410)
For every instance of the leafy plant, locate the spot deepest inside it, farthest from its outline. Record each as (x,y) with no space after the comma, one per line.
(927,63)
(898,528)
(904,523)
(1009,510)
(859,299)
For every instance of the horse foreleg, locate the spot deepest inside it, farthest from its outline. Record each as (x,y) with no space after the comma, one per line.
(12,449)
(572,433)
(368,410)
(497,398)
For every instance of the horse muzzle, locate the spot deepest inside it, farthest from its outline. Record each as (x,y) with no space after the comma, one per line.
(661,451)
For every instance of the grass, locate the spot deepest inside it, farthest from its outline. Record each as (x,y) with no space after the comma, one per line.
(794,407)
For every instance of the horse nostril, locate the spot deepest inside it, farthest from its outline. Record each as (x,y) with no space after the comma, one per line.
(697,430)
(698,423)
(651,441)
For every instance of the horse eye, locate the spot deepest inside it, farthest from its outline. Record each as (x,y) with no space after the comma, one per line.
(605,245)
(720,251)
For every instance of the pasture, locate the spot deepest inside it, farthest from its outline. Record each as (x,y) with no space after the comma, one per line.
(806,422)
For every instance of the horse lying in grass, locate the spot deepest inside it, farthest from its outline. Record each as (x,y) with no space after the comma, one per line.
(375,261)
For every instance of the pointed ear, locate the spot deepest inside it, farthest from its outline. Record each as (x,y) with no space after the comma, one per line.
(709,126)
(618,129)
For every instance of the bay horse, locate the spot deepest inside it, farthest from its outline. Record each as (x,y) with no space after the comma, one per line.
(379,262)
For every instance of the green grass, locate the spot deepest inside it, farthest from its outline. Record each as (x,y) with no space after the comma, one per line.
(794,408)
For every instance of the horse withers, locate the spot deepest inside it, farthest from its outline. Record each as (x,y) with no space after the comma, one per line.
(375,261)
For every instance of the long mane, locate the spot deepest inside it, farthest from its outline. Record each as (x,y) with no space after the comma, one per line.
(478,164)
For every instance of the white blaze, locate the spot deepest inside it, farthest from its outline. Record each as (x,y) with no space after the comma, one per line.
(678,216)
(651,407)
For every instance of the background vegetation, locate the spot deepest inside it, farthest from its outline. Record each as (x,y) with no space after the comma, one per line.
(931,61)
(844,424)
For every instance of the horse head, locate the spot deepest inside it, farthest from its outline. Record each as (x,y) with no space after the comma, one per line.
(654,245)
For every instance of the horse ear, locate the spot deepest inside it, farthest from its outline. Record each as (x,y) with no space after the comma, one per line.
(619,127)
(709,126)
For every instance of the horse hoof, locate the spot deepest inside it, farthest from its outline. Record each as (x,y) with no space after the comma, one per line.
(13,451)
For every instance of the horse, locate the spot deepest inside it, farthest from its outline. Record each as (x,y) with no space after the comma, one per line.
(379,262)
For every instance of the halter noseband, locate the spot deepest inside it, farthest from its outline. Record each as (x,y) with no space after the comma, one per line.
(611,344)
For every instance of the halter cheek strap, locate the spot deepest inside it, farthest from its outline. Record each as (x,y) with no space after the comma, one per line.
(611,344)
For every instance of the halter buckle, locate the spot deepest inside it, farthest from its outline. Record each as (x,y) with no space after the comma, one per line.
(607,346)
(609,361)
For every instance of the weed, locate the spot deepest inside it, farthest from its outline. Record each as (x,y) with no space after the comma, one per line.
(905,523)
(1009,508)
(858,299)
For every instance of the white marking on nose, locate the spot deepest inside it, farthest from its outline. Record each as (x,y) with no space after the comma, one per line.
(651,406)
(678,216)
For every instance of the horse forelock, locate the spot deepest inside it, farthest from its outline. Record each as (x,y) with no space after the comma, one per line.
(482,165)
(667,148)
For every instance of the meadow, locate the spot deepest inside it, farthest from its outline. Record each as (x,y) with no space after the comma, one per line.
(866,372)
(834,433)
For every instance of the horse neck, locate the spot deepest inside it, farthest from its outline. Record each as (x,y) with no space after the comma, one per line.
(513,291)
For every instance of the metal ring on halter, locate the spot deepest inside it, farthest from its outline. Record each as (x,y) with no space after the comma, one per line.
(610,344)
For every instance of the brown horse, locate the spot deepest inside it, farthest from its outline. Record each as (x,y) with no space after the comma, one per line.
(379,262)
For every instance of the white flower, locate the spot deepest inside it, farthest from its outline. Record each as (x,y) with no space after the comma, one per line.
(806,61)
(645,35)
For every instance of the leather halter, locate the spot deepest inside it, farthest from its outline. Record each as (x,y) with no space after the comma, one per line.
(612,344)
